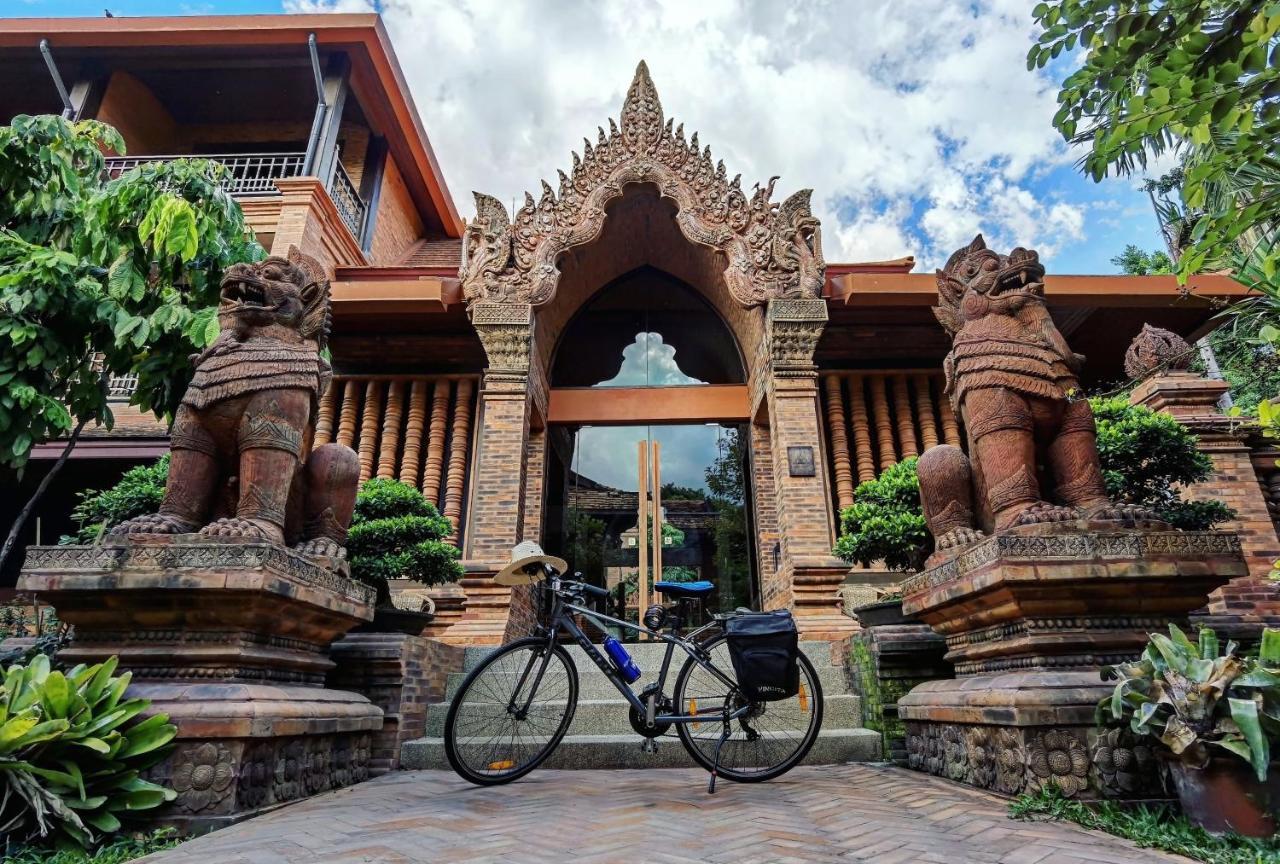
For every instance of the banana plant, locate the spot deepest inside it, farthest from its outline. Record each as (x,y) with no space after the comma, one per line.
(72,751)
(1197,699)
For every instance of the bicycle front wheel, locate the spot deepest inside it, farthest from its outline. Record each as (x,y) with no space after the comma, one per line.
(511,712)
(767,741)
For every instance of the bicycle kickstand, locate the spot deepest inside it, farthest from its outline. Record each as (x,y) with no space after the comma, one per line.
(715,763)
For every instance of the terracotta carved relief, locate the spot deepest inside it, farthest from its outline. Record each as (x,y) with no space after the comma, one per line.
(242,462)
(1012,379)
(1157,349)
(773,250)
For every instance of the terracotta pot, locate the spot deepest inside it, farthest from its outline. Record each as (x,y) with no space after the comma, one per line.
(882,612)
(1226,796)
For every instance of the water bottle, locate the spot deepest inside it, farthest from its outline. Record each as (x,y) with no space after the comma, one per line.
(622,661)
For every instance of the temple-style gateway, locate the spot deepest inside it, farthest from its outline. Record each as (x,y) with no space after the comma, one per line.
(649,366)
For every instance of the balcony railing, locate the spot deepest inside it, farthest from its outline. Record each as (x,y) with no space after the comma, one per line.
(251,174)
(247,173)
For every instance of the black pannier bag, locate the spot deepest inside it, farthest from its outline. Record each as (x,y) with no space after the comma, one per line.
(763,647)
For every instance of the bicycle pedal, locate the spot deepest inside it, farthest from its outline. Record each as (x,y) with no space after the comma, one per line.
(648,745)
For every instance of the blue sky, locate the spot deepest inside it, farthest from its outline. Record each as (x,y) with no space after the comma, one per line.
(915,124)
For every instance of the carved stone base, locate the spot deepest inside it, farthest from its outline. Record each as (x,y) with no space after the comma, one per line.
(228,637)
(1029,620)
(887,660)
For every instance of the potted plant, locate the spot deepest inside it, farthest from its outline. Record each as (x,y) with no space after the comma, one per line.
(396,533)
(885,524)
(1215,713)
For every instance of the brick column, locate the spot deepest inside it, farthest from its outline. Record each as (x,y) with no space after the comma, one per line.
(495,517)
(1241,608)
(807,576)
(309,220)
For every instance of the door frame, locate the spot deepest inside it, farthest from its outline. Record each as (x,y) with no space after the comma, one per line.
(637,406)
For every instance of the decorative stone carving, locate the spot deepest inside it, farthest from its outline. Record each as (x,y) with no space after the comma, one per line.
(1125,764)
(1010,762)
(1058,757)
(1156,349)
(240,462)
(955,753)
(1012,378)
(506,332)
(204,775)
(773,250)
(981,755)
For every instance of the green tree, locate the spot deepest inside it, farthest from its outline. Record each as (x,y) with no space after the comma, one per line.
(1135,262)
(1199,77)
(396,533)
(886,521)
(100,277)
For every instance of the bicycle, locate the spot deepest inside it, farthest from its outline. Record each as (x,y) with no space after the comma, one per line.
(513,710)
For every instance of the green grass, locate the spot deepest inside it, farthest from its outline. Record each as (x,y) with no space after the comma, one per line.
(1154,827)
(116,851)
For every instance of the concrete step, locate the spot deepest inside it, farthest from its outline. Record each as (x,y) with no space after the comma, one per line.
(592,684)
(645,653)
(611,716)
(833,747)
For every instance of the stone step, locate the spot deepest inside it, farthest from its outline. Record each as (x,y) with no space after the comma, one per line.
(592,684)
(646,654)
(611,716)
(833,747)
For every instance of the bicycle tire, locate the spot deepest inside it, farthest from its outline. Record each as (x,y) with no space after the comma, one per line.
(813,689)
(451,745)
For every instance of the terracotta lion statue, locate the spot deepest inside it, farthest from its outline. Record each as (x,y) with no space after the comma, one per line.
(242,463)
(1012,379)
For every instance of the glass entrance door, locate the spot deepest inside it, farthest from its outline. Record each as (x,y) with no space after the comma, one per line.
(629,506)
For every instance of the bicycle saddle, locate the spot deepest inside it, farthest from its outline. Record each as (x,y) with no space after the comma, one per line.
(684,589)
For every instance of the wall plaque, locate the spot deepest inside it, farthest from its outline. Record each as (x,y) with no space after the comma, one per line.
(800,461)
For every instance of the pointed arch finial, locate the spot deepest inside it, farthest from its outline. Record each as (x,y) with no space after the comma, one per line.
(641,111)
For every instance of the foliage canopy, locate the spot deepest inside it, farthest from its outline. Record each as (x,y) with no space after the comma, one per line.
(397,533)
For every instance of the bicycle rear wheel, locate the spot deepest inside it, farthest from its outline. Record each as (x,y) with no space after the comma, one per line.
(768,741)
(511,712)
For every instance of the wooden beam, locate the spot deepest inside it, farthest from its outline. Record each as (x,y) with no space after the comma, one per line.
(631,405)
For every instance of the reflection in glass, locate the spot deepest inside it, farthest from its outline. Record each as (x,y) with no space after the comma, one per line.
(593,500)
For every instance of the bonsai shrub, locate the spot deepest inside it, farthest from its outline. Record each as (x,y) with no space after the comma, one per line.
(139,491)
(1146,459)
(1198,701)
(71,758)
(885,522)
(396,533)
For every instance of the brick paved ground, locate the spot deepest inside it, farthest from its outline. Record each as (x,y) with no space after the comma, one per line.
(814,814)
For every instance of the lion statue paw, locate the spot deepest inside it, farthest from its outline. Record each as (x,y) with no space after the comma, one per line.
(153,523)
(233,527)
(1043,512)
(321,547)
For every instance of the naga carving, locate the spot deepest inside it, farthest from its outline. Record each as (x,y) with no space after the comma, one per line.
(1012,379)
(773,250)
(242,463)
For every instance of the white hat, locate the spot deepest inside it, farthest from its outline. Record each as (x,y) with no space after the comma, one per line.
(528,552)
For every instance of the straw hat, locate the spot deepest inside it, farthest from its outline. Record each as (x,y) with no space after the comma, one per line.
(525,553)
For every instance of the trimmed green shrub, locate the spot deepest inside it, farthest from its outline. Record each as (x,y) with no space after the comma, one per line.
(397,533)
(1146,459)
(138,492)
(71,760)
(886,522)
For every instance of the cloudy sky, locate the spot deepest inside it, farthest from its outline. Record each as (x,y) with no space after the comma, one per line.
(915,123)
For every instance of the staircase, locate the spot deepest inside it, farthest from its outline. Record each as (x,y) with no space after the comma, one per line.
(601,735)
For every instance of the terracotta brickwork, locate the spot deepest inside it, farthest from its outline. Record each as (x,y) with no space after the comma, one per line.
(775,591)
(402,675)
(398,225)
(309,220)
(1240,608)
(135,112)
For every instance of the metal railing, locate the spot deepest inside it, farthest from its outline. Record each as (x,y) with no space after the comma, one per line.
(255,174)
(351,208)
(247,173)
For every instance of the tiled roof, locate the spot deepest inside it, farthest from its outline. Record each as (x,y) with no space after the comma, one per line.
(446,252)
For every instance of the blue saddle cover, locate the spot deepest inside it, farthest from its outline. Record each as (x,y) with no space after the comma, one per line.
(684,589)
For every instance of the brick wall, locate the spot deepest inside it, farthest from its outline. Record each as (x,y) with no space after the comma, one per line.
(131,107)
(399,673)
(398,225)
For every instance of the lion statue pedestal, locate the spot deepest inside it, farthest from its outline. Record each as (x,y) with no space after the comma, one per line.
(1037,579)
(224,603)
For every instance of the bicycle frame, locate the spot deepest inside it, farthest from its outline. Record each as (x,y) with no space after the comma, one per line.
(561,618)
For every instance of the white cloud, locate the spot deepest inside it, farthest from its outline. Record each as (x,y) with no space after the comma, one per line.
(885,108)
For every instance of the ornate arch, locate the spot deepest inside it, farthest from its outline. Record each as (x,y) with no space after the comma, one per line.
(774,250)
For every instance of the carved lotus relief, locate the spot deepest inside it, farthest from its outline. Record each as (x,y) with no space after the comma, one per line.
(1010,764)
(981,756)
(204,776)
(1058,757)
(257,770)
(1125,764)
(955,753)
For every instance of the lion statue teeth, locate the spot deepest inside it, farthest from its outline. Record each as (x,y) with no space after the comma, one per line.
(242,463)
(1013,380)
